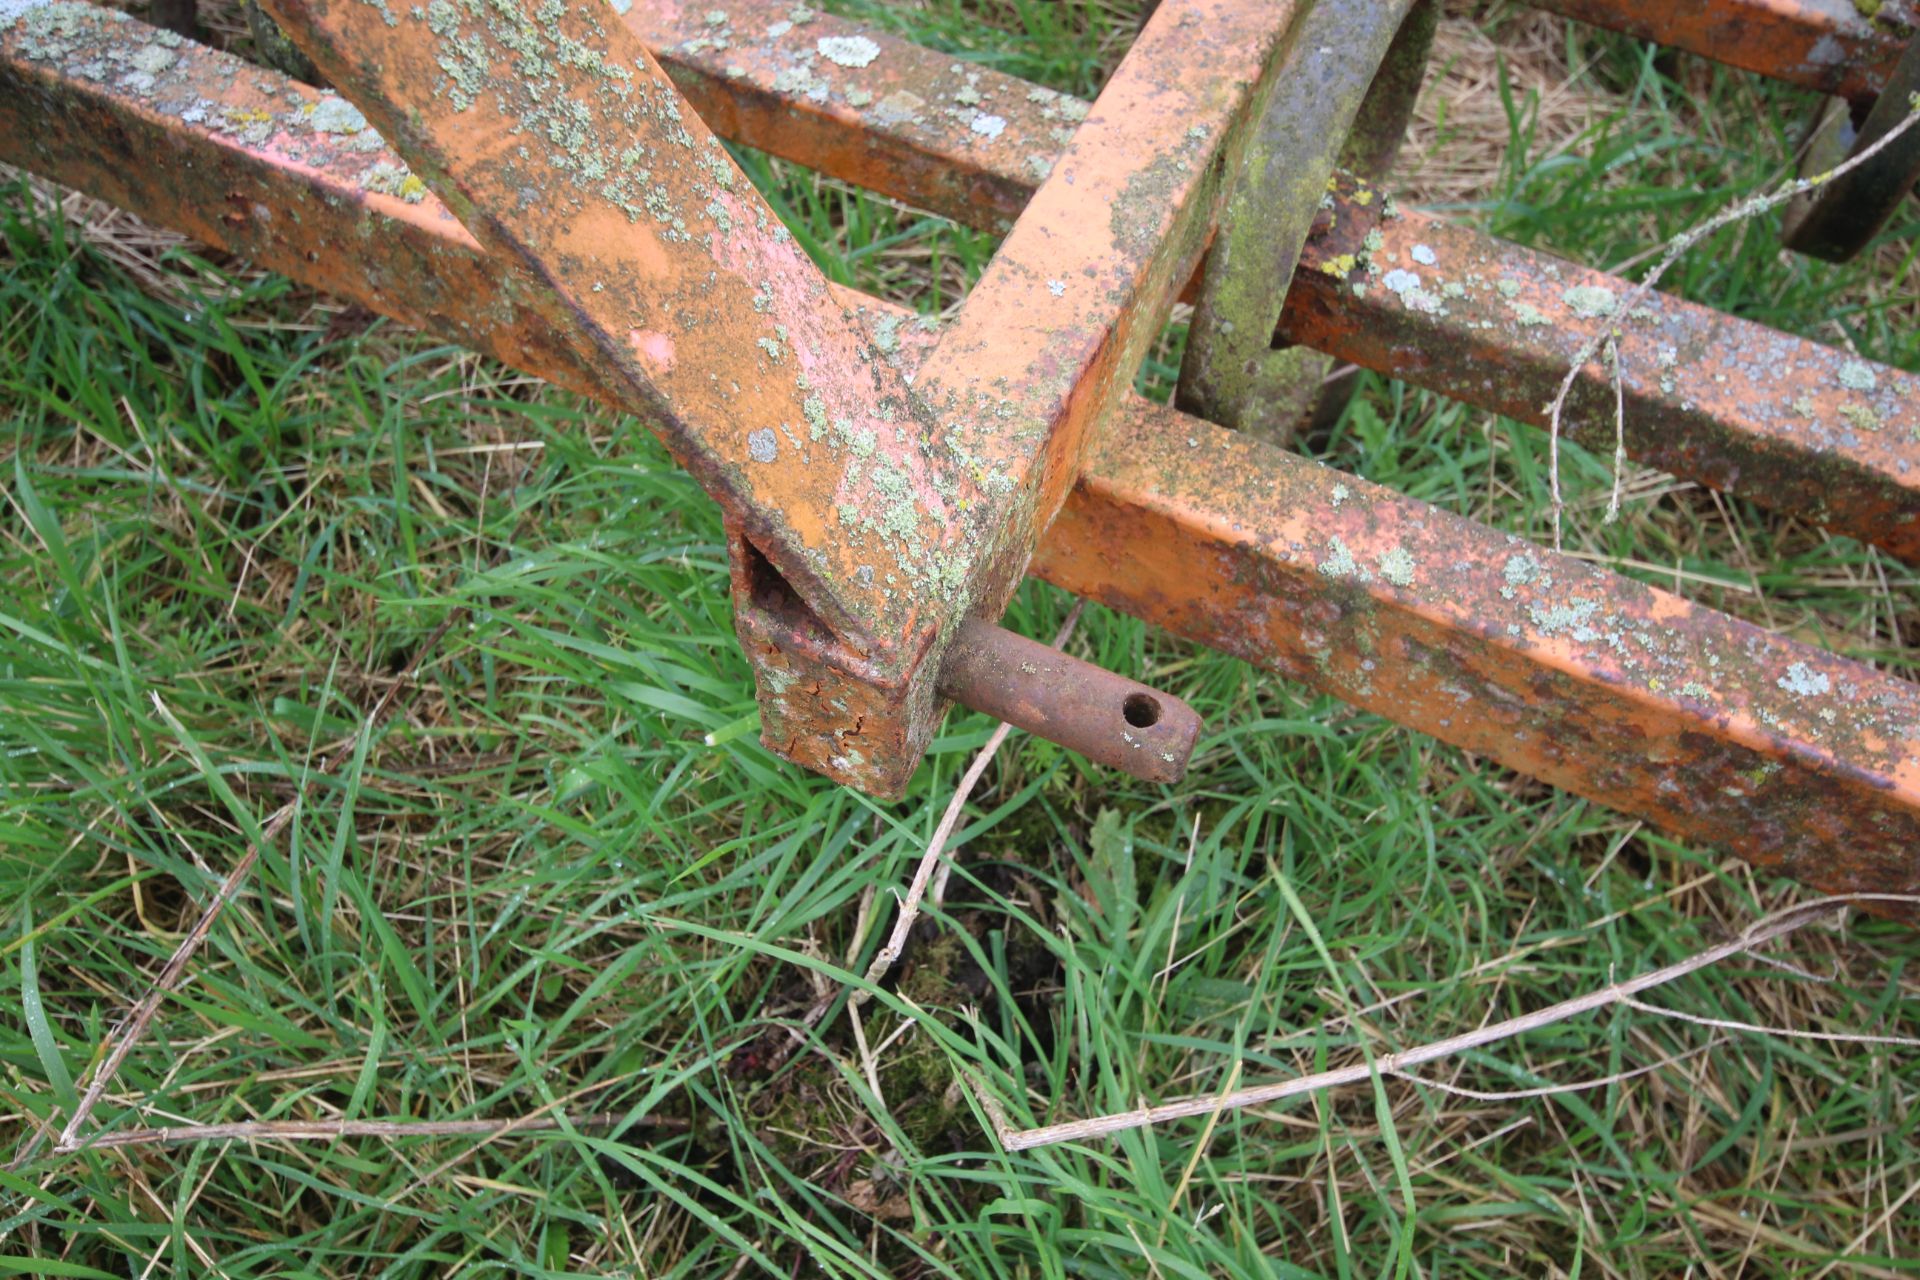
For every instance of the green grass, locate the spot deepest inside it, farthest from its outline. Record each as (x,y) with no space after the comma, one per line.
(231,521)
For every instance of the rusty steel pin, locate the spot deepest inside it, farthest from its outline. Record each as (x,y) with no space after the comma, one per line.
(1107,718)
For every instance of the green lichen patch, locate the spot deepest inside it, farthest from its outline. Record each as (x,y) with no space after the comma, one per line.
(1860,417)
(1590,301)
(847,51)
(1339,563)
(1857,376)
(1397,566)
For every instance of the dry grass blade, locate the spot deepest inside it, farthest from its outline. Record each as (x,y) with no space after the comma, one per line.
(1778,925)
(134,1025)
(1675,248)
(931,860)
(335,1130)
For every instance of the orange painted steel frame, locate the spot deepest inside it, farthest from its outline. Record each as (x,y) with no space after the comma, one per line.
(886,482)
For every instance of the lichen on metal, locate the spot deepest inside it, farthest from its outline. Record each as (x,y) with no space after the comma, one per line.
(1711,729)
(1790,424)
(555,138)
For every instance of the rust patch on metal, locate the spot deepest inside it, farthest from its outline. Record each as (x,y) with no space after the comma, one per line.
(1107,718)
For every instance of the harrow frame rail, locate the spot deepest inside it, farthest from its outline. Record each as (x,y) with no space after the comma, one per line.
(1009,439)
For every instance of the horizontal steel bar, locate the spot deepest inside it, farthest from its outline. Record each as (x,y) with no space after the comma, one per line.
(1804,763)
(957,138)
(902,124)
(1701,724)
(1844,47)
(1793,425)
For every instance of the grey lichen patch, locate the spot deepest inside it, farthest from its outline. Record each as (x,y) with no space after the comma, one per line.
(1058,288)
(859,98)
(12,10)
(1526,315)
(847,51)
(1804,681)
(1423,254)
(899,107)
(988,126)
(336,115)
(886,334)
(1520,570)
(1857,376)
(763,445)
(1507,287)
(1340,564)
(1397,566)
(1339,495)
(1400,281)
(54,31)
(1590,301)
(1569,619)
(1406,286)
(152,59)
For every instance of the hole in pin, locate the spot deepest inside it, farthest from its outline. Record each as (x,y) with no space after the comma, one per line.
(1141,710)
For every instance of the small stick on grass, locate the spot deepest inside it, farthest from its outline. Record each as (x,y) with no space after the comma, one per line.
(134,1025)
(335,1130)
(931,860)
(1676,247)
(1775,926)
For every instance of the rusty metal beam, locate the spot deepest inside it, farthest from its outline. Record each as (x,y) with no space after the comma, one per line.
(1050,337)
(1842,47)
(1806,764)
(1796,426)
(954,137)
(560,144)
(1710,728)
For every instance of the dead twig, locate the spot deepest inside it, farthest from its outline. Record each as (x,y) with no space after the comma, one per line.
(1775,926)
(1608,338)
(931,860)
(335,1130)
(131,1028)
